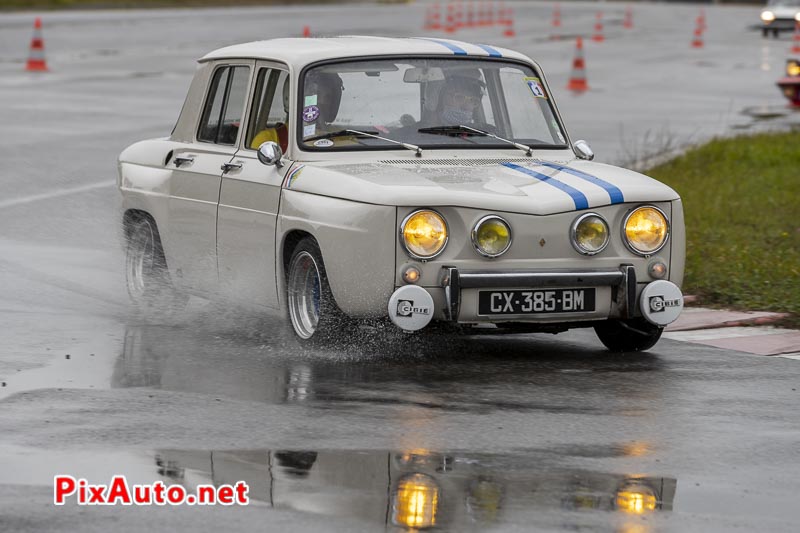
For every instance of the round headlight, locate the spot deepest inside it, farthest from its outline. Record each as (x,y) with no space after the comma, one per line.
(767,16)
(646,230)
(797,17)
(491,236)
(590,234)
(424,234)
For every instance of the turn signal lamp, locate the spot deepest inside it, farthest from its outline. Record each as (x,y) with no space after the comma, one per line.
(491,236)
(646,230)
(416,502)
(636,499)
(424,234)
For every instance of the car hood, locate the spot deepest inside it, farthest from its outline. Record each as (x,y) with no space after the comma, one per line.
(531,186)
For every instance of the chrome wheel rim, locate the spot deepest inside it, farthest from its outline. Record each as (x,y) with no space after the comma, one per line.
(139,260)
(304,288)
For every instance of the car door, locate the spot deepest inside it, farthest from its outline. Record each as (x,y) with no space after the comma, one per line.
(250,195)
(195,183)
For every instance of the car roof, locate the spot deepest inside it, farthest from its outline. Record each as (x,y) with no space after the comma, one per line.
(299,52)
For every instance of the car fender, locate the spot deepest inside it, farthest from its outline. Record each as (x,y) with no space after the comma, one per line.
(357,241)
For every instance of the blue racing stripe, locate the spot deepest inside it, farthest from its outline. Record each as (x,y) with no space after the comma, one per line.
(491,51)
(613,191)
(457,50)
(581,202)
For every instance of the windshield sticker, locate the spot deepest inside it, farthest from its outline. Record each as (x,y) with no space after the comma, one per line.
(535,85)
(310,113)
(310,130)
(323,143)
(311,99)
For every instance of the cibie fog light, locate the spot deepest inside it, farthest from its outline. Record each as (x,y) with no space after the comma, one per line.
(589,234)
(767,16)
(424,234)
(645,230)
(491,236)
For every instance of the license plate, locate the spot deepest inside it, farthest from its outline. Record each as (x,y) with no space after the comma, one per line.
(535,302)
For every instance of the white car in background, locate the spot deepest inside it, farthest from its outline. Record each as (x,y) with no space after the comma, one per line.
(779,15)
(336,180)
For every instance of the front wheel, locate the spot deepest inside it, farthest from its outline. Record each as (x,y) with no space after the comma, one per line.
(313,313)
(628,335)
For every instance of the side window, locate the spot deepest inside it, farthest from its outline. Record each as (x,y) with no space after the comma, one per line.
(222,115)
(269,115)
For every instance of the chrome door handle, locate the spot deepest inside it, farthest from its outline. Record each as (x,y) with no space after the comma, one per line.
(183,160)
(227,167)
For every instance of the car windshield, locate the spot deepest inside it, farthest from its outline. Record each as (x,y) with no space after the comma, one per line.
(458,103)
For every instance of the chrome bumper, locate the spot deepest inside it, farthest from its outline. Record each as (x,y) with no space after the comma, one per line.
(622,281)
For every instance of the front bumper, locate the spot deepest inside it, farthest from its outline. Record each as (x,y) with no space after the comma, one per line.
(621,281)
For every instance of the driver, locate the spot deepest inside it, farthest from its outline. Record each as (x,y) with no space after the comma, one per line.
(460,98)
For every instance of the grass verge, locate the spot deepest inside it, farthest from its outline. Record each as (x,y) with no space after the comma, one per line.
(742,202)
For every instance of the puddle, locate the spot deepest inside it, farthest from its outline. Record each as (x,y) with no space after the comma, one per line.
(412,489)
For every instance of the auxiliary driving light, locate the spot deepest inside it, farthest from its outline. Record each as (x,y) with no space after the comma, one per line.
(645,230)
(589,234)
(767,16)
(424,234)
(491,236)
(792,66)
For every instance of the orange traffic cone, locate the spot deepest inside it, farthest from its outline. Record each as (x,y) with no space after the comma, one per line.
(627,22)
(509,23)
(796,39)
(451,25)
(36,60)
(433,17)
(598,29)
(577,80)
(556,16)
(697,41)
(306,31)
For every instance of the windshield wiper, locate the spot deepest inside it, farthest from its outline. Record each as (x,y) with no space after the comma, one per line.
(467,130)
(374,135)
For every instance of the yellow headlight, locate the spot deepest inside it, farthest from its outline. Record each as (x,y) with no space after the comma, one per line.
(590,234)
(636,499)
(491,236)
(424,234)
(416,502)
(767,16)
(646,230)
(792,66)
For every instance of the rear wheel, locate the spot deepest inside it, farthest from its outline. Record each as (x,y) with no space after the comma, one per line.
(147,278)
(313,313)
(628,335)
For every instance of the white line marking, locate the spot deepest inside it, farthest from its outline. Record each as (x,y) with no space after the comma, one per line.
(722,333)
(55,194)
(795,356)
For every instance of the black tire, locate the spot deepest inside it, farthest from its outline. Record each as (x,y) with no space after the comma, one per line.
(147,277)
(764,32)
(776,33)
(313,314)
(628,335)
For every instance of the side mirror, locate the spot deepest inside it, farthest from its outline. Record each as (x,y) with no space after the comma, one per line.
(582,150)
(269,153)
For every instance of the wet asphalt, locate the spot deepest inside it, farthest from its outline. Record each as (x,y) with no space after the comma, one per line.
(492,433)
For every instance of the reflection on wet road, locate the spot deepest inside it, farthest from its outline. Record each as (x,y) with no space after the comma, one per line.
(419,489)
(434,372)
